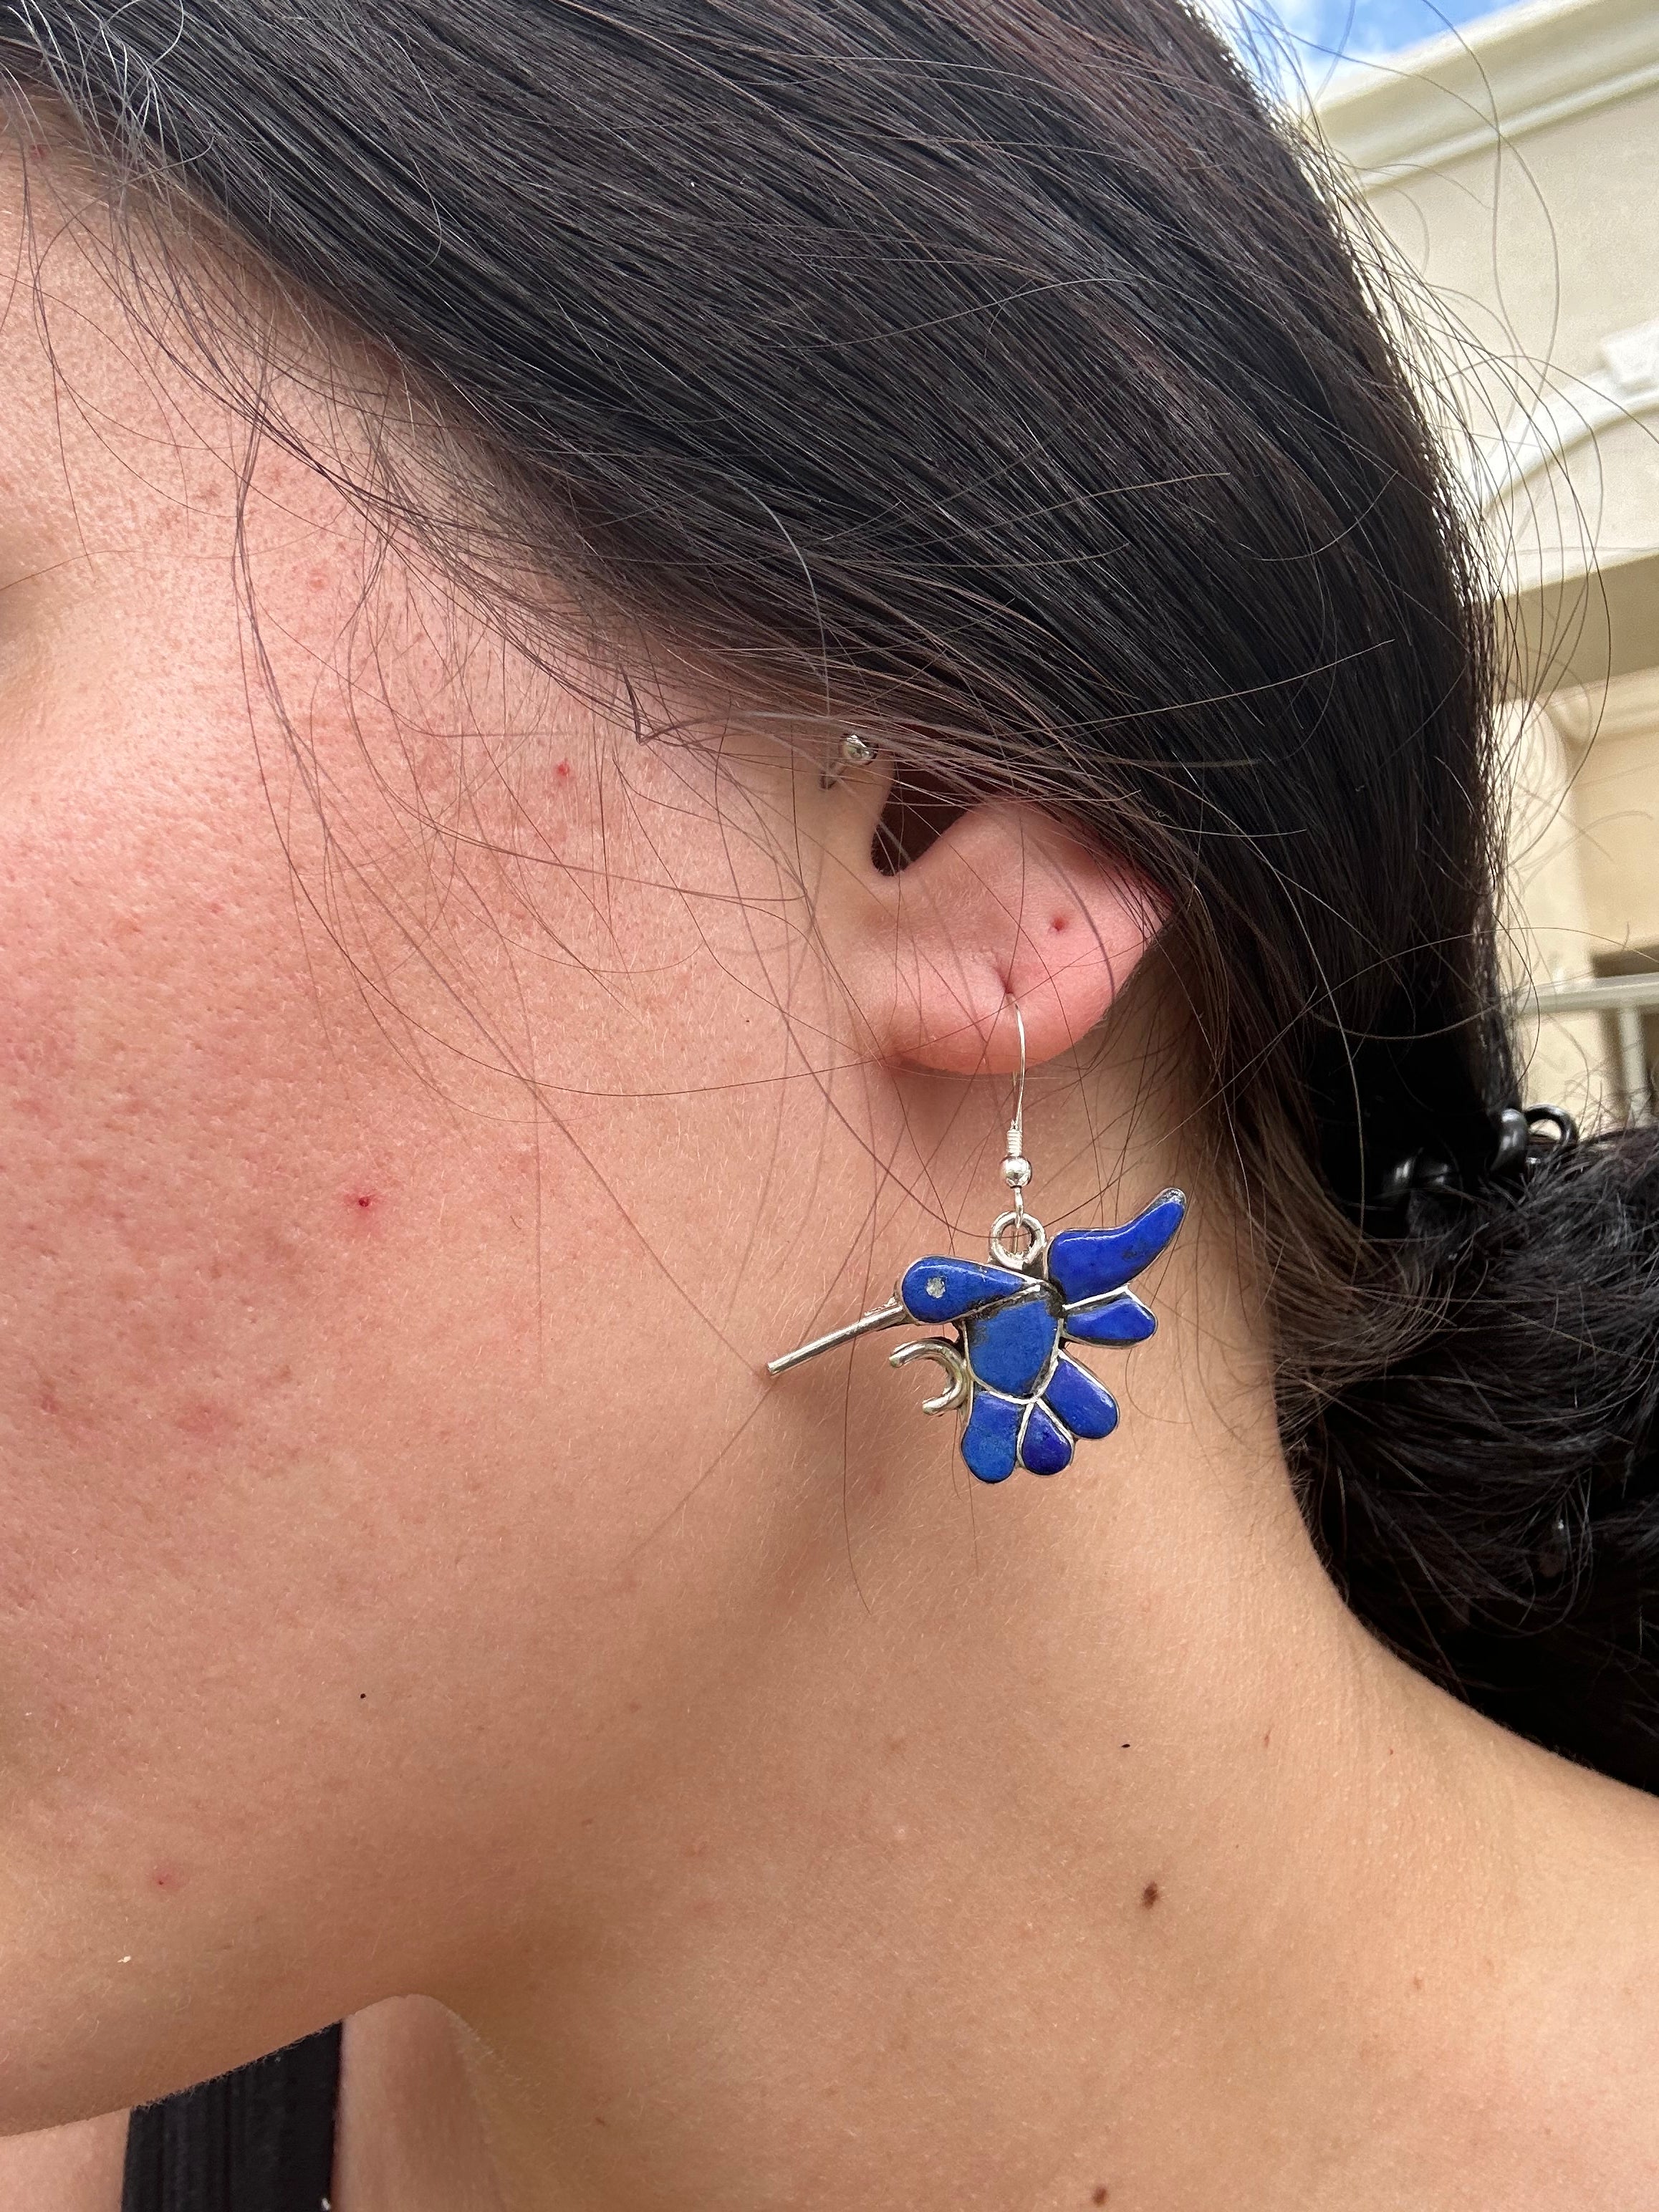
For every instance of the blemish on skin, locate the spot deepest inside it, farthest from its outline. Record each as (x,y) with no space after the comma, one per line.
(562,771)
(1123,1746)
(1058,925)
(1267,1738)
(901,1833)
(165,1877)
(895,1745)
(1417,1981)
(1150,1895)
(364,1201)
(205,1419)
(1100,2195)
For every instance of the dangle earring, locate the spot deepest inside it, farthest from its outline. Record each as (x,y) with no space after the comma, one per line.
(1027,1401)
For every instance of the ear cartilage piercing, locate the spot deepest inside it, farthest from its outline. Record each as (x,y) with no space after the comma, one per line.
(853,751)
(1027,1401)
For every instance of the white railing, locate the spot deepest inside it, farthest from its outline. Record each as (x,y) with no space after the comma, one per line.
(1623,1000)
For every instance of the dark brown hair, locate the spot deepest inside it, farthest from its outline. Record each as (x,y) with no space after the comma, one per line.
(994,369)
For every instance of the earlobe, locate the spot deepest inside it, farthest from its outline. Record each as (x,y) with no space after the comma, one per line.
(1008,903)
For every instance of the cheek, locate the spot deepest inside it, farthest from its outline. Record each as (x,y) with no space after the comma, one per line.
(145,1203)
(307,1363)
(223,1244)
(270,1391)
(343,1411)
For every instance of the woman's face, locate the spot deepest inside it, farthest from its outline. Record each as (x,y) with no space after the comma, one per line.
(398,1188)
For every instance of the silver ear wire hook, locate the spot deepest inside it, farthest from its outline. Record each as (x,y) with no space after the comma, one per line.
(1016,1168)
(1016,1173)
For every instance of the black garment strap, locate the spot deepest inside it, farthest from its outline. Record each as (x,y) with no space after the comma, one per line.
(258,2140)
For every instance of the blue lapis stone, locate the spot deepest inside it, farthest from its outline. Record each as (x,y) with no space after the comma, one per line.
(1043,1447)
(1121,1319)
(1010,1348)
(1087,1263)
(945,1290)
(1087,1407)
(1028,1402)
(990,1442)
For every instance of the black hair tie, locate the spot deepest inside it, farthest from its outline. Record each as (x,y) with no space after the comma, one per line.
(1512,1154)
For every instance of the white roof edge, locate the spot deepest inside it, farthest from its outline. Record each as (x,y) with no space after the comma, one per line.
(1511,73)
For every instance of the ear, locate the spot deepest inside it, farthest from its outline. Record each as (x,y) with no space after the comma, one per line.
(1008,904)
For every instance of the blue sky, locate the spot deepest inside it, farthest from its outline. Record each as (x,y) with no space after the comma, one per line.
(1324,30)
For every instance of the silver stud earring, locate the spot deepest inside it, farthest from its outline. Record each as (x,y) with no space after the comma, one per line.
(1027,1401)
(853,751)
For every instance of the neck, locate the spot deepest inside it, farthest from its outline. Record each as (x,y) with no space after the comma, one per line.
(1065,1845)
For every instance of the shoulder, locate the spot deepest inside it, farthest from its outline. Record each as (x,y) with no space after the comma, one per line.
(73,2169)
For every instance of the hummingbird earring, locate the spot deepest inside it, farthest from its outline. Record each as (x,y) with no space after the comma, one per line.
(1027,1401)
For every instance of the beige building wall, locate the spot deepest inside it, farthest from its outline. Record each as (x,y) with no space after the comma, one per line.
(1513,170)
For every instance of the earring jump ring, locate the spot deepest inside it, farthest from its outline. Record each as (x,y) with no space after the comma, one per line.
(1028,1262)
